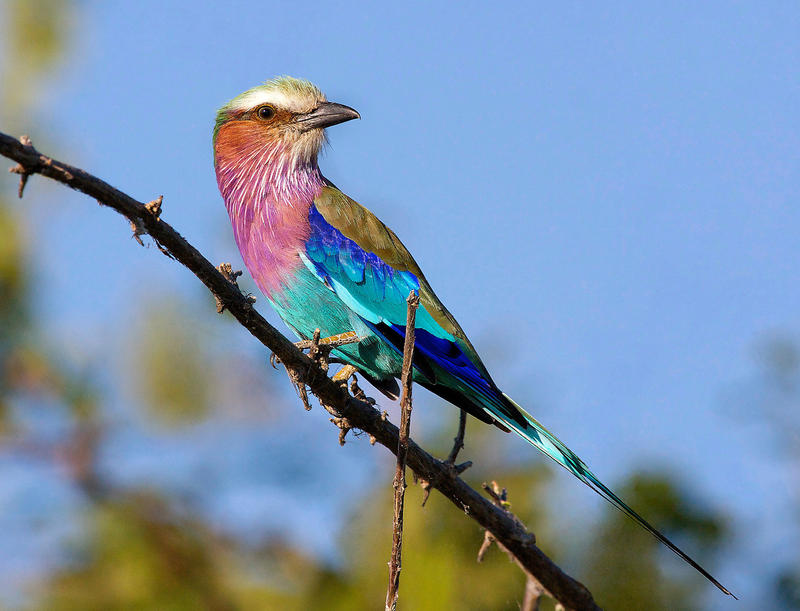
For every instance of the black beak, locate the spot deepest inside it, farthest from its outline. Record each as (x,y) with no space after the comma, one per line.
(325,115)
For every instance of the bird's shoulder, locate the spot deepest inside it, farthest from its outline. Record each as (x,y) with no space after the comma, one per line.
(360,225)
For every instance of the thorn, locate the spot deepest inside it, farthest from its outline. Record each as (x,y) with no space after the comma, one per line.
(23,177)
(455,471)
(304,396)
(315,353)
(300,386)
(138,231)
(499,495)
(154,206)
(344,425)
(164,250)
(226,269)
(488,539)
(500,498)
(459,469)
(426,490)
(221,309)
(20,169)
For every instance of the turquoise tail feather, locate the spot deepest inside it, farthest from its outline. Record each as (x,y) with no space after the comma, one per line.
(538,436)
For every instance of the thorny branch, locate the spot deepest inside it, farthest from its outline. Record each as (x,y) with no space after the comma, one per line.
(458,442)
(332,395)
(450,463)
(402,451)
(533,588)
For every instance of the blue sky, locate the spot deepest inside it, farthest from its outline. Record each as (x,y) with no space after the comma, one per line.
(605,196)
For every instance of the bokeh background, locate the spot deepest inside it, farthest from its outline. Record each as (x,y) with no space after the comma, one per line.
(605,195)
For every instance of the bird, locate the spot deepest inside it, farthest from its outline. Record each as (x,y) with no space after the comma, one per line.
(327,263)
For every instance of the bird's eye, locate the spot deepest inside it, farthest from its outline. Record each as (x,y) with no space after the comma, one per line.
(265,113)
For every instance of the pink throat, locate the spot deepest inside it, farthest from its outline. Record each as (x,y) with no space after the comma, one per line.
(268,193)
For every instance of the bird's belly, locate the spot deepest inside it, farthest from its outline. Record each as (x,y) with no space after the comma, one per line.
(306,304)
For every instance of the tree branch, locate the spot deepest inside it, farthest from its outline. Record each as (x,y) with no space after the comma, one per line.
(533,589)
(333,396)
(402,451)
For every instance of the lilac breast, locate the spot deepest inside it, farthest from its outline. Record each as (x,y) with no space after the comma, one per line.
(268,196)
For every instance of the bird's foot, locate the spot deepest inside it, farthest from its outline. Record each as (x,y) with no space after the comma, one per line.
(319,348)
(331,342)
(344,374)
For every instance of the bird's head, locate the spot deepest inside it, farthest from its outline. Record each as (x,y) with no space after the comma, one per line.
(285,114)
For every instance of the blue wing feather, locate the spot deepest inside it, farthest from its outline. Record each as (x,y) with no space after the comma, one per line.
(377,293)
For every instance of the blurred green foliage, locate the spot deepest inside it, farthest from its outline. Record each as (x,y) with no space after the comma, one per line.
(140,554)
(141,549)
(13,303)
(37,35)
(170,362)
(623,550)
(34,37)
(778,404)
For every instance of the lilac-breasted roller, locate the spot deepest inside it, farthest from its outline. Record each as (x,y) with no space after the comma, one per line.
(326,262)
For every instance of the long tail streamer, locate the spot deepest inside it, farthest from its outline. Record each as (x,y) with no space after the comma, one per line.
(538,436)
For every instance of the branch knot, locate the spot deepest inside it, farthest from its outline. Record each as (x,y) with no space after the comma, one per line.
(226,269)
